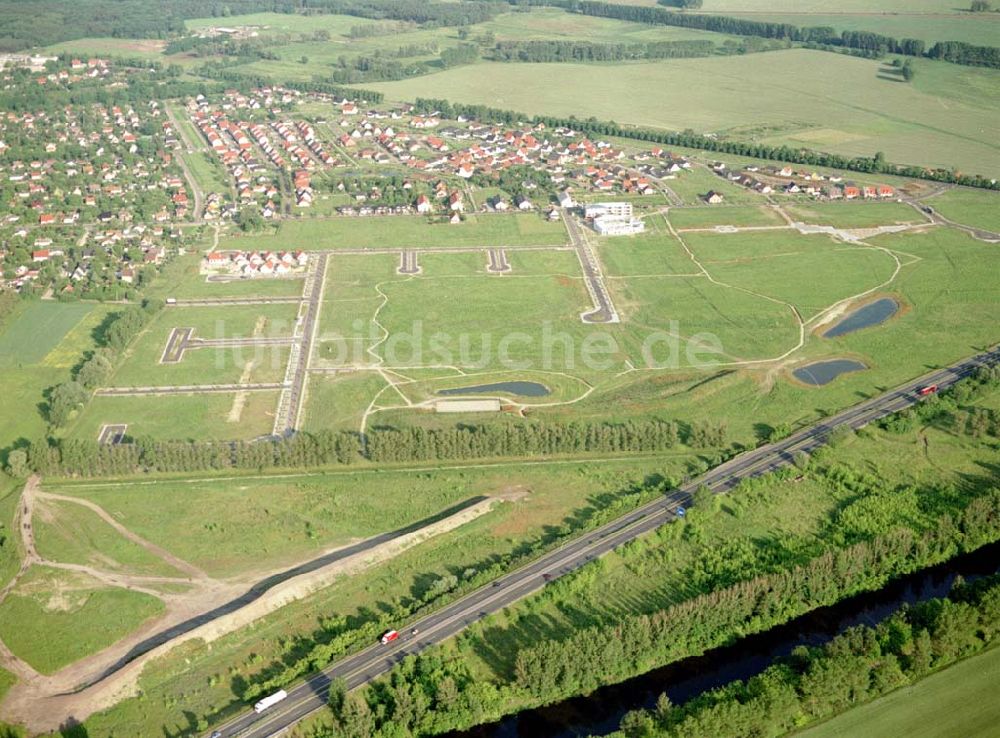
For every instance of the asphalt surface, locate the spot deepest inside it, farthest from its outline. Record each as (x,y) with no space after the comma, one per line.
(309,696)
(604,310)
(289,406)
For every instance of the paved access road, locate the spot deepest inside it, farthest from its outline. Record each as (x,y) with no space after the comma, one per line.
(308,696)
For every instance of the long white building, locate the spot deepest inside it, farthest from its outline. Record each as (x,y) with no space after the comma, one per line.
(601,209)
(612,225)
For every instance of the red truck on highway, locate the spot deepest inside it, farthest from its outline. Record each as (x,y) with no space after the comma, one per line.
(389,636)
(928,390)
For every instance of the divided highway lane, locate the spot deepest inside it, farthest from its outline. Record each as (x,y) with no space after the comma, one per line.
(309,696)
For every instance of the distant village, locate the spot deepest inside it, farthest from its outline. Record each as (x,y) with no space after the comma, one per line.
(94,195)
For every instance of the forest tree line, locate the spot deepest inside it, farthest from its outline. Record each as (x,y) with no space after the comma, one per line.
(88,458)
(587,51)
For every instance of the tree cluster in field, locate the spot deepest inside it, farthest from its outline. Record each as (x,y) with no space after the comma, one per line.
(247,50)
(115,334)
(963,53)
(246,82)
(521,180)
(388,190)
(587,51)
(685,4)
(817,682)
(138,87)
(690,139)
(384,28)
(529,439)
(428,694)
(375,68)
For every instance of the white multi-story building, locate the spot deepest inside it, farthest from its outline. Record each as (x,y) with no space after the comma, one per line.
(613,225)
(615,209)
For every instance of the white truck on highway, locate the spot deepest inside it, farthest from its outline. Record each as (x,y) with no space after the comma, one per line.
(270,700)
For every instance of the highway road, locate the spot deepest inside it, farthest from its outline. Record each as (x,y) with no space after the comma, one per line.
(309,696)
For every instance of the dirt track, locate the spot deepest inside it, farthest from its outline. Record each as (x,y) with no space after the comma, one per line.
(208,610)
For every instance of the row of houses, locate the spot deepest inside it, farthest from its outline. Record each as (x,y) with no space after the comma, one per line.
(771,179)
(251,264)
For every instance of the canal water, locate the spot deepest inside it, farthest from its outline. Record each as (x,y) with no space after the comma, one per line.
(524,389)
(601,712)
(871,314)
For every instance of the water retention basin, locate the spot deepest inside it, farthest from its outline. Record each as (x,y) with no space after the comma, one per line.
(823,372)
(523,389)
(874,313)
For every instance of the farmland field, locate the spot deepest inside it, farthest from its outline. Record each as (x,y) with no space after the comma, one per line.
(32,359)
(959,700)
(826,101)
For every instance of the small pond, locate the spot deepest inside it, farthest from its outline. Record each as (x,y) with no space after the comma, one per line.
(523,389)
(871,314)
(824,372)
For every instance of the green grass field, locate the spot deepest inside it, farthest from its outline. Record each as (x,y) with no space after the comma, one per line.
(558,492)
(403,231)
(711,216)
(53,618)
(40,346)
(38,330)
(969,207)
(818,6)
(826,101)
(72,534)
(854,214)
(10,557)
(959,701)
(141,367)
(182,417)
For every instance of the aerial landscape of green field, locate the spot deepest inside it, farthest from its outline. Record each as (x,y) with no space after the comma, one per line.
(377,369)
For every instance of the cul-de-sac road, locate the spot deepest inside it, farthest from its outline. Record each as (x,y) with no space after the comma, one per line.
(310,695)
